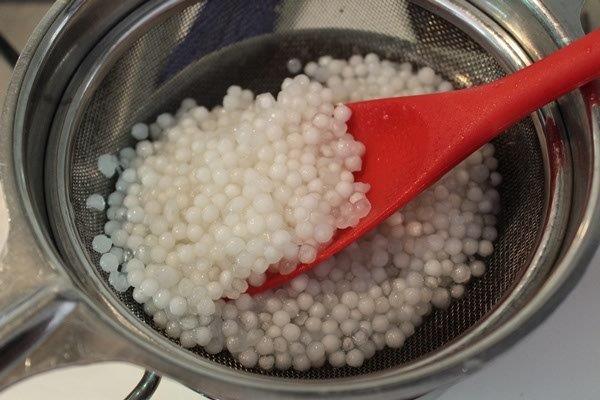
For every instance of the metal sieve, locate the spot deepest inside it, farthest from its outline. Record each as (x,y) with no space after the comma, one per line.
(92,70)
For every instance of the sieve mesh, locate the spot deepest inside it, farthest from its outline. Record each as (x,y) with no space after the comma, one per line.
(136,88)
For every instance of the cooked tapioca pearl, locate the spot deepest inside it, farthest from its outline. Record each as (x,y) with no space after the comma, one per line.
(187,339)
(291,332)
(453,246)
(202,335)
(266,362)
(119,253)
(426,76)
(205,306)
(366,306)
(281,318)
(313,324)
(331,343)
(433,267)
(109,262)
(441,298)
(149,286)
(283,361)
(301,362)
(248,358)
(461,274)
(307,254)
(108,164)
(315,351)
(161,298)
(178,306)
(102,244)
(477,268)
(337,359)
(486,248)
(300,283)
(95,202)
(340,312)
(342,113)
(118,281)
(355,358)
(380,258)
(457,291)
(350,299)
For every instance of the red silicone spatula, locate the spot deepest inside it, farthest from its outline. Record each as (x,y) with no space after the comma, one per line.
(413,141)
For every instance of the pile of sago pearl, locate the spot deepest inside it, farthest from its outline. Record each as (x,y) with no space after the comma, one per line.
(220,196)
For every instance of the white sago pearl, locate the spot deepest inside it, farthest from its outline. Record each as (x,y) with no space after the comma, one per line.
(307,254)
(457,291)
(313,324)
(394,338)
(281,318)
(461,274)
(205,306)
(340,312)
(109,262)
(101,244)
(107,164)
(414,228)
(342,113)
(441,298)
(485,248)
(337,359)
(477,268)
(366,306)
(95,202)
(248,358)
(350,299)
(291,332)
(140,131)
(299,284)
(149,286)
(301,362)
(118,281)
(315,351)
(161,298)
(355,358)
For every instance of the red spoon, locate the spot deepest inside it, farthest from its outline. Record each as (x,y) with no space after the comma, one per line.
(413,141)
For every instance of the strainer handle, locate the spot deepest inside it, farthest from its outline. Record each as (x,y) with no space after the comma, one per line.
(146,387)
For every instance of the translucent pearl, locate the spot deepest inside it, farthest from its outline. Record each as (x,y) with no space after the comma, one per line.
(315,351)
(248,358)
(355,358)
(340,312)
(101,244)
(281,318)
(95,202)
(366,306)
(107,164)
(109,262)
(477,268)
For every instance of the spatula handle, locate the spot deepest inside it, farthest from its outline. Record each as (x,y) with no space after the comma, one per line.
(512,98)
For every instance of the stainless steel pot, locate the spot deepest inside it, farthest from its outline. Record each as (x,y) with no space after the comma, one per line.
(56,309)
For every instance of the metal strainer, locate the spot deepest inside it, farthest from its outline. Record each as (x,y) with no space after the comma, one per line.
(142,58)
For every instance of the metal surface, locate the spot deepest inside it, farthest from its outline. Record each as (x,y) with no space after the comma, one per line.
(527,288)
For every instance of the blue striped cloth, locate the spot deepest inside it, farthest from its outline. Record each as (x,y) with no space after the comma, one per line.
(221,23)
